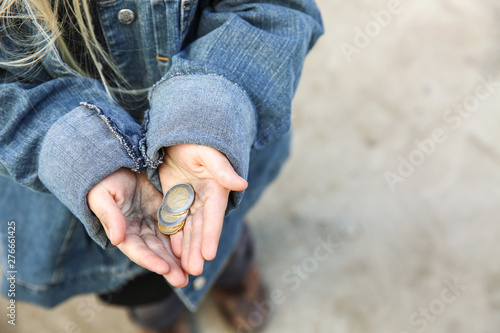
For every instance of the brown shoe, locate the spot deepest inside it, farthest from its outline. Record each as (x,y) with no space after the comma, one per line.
(182,325)
(245,305)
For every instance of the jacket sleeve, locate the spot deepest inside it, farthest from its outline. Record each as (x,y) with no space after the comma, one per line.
(231,86)
(51,143)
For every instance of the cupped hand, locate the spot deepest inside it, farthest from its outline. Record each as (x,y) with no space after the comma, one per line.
(211,175)
(126,203)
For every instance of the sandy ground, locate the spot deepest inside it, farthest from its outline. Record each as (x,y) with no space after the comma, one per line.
(395,165)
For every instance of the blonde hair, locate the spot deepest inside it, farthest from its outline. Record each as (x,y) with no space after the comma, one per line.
(44,16)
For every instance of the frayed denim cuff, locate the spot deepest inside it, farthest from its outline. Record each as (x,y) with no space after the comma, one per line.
(83,147)
(203,109)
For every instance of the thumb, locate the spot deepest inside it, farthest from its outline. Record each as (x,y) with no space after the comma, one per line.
(219,167)
(103,205)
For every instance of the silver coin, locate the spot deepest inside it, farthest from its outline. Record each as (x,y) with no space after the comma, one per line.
(169,221)
(178,199)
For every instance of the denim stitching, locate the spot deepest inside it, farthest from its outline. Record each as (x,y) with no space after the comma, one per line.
(126,143)
(149,162)
(185,13)
(143,145)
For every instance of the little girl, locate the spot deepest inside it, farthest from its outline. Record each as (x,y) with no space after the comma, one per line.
(106,104)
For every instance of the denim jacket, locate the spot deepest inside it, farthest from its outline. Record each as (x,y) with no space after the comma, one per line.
(219,73)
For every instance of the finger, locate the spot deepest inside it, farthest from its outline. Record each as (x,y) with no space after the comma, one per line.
(213,216)
(159,245)
(107,211)
(195,259)
(186,241)
(219,167)
(177,280)
(176,243)
(134,247)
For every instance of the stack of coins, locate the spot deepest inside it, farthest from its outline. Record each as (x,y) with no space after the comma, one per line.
(174,208)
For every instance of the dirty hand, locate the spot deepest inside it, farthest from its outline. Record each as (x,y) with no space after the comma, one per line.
(211,175)
(126,202)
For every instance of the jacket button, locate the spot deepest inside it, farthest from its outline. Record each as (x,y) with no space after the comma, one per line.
(199,283)
(126,16)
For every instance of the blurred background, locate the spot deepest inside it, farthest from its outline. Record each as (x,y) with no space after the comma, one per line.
(385,219)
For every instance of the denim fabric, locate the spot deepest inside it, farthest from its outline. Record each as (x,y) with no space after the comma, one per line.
(218,73)
(56,258)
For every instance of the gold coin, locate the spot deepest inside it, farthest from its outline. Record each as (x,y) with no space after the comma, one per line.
(169,224)
(172,230)
(169,220)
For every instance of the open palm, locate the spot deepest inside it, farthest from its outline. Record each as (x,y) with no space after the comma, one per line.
(126,202)
(211,175)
